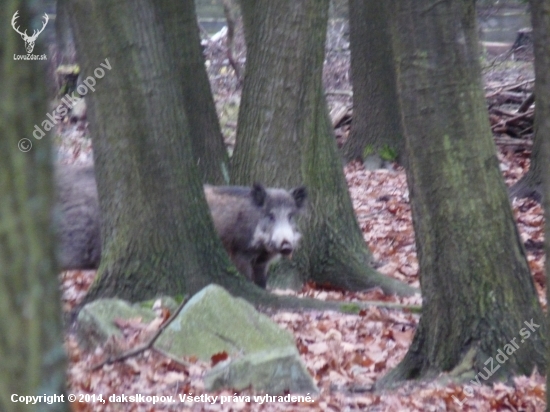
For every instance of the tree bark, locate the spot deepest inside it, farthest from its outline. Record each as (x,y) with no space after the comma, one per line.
(530,185)
(540,21)
(157,235)
(477,287)
(63,34)
(204,127)
(248,8)
(284,139)
(376,126)
(31,334)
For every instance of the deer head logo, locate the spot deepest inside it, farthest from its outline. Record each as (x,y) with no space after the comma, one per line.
(29,40)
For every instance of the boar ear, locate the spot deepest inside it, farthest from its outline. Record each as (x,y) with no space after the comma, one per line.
(258,194)
(300,195)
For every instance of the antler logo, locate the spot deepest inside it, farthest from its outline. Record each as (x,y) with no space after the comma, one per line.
(29,40)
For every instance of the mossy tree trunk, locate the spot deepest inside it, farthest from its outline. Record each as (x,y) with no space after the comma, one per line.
(284,139)
(32,358)
(206,137)
(531,184)
(247,11)
(157,234)
(479,296)
(376,125)
(63,34)
(540,20)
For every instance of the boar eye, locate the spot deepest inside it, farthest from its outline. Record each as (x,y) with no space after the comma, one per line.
(291,216)
(271,217)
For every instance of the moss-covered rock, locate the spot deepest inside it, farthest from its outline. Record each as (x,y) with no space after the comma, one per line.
(213,321)
(95,322)
(274,371)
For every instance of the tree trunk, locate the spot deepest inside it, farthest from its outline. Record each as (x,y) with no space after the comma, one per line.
(477,287)
(63,34)
(248,8)
(530,185)
(31,333)
(206,137)
(540,20)
(376,127)
(157,235)
(284,139)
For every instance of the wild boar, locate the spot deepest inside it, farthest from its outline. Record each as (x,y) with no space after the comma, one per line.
(256,225)
(77,218)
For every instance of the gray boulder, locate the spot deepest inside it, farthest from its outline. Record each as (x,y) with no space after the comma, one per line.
(213,321)
(96,321)
(263,356)
(273,371)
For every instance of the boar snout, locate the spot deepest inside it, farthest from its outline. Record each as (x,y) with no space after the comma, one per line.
(286,248)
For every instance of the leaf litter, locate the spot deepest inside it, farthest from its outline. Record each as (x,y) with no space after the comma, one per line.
(346,354)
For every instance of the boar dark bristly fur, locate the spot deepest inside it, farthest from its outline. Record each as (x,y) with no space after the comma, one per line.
(77,218)
(256,225)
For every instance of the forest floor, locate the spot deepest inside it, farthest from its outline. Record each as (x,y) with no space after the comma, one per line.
(345,354)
